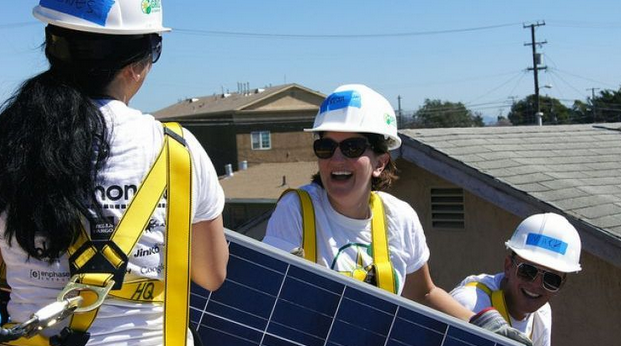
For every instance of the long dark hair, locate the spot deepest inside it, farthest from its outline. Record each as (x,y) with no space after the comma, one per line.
(379,145)
(54,139)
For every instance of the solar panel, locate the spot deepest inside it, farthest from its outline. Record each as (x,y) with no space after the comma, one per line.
(271,298)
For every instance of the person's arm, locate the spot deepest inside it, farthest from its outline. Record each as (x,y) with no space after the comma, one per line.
(420,288)
(210,253)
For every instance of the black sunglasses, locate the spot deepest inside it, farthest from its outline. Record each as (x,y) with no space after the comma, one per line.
(528,272)
(156,47)
(351,147)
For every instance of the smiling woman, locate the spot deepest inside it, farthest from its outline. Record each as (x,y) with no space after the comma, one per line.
(344,220)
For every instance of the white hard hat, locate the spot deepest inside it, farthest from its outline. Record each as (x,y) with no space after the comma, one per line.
(548,240)
(358,108)
(112,17)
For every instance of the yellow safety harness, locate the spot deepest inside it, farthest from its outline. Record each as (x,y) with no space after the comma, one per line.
(498,300)
(98,269)
(496,297)
(379,238)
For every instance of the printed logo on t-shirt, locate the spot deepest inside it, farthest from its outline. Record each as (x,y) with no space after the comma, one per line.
(356,261)
(119,197)
(49,276)
(102,228)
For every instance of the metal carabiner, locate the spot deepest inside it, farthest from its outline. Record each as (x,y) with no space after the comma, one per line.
(75,287)
(47,317)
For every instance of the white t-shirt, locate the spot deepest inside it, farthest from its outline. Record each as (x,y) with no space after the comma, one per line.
(135,141)
(537,325)
(343,244)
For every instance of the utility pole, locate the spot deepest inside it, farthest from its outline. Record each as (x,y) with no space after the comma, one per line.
(593,112)
(535,68)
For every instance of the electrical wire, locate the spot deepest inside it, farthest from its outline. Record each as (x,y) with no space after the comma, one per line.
(336,36)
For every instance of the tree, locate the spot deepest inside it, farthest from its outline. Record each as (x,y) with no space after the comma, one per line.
(437,113)
(523,111)
(607,106)
(580,113)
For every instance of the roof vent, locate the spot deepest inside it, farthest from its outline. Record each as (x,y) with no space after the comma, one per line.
(228,169)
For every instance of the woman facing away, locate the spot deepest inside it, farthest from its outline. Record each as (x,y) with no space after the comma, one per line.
(359,230)
(72,156)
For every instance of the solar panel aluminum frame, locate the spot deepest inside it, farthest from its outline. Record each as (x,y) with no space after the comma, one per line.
(273,298)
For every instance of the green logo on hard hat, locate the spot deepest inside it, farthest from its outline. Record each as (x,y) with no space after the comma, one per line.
(391,120)
(150,6)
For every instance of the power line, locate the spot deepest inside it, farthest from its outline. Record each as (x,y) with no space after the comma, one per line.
(339,36)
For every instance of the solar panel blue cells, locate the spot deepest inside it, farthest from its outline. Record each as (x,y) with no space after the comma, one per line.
(271,298)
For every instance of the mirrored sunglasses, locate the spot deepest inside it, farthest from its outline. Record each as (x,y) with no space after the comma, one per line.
(156,48)
(351,147)
(528,272)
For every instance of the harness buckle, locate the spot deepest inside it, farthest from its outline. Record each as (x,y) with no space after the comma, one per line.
(99,263)
(47,317)
(75,287)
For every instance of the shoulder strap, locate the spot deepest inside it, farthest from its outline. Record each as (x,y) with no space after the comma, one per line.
(381,252)
(497,298)
(179,228)
(309,241)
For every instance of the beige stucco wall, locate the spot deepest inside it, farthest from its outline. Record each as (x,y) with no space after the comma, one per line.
(286,147)
(587,311)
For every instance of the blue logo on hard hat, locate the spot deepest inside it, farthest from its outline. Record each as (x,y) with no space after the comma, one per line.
(94,11)
(341,99)
(545,242)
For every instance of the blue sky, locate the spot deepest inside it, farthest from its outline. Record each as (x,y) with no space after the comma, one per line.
(460,51)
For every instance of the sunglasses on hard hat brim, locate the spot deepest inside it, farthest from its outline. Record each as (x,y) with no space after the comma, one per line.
(352,147)
(552,282)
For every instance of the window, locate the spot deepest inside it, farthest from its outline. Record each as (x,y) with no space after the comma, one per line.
(447,208)
(261,140)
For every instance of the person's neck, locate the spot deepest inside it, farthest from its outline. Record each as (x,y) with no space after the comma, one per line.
(357,210)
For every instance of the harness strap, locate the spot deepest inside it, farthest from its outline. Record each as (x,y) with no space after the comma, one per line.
(379,238)
(496,297)
(178,241)
(381,253)
(309,243)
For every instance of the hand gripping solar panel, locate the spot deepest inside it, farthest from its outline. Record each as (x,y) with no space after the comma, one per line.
(272,298)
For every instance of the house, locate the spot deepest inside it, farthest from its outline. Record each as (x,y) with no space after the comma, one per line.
(472,186)
(252,126)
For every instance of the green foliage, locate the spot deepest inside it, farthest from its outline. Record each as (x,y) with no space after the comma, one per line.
(437,113)
(580,113)
(554,112)
(606,107)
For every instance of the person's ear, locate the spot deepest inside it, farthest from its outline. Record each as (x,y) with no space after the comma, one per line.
(380,165)
(135,71)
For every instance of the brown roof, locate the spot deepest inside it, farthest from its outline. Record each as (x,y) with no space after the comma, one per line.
(265,180)
(226,103)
